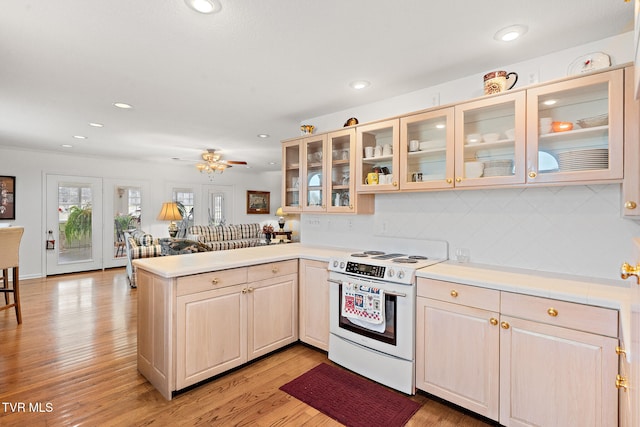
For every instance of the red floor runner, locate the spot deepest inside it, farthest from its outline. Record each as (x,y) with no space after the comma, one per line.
(350,399)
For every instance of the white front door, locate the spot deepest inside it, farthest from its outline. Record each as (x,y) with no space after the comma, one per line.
(74,218)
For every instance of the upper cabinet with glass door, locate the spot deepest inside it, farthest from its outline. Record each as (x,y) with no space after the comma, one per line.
(314,149)
(490,141)
(426,150)
(377,157)
(340,169)
(575,129)
(291,177)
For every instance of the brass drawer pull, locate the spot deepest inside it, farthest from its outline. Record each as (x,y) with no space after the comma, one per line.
(214,281)
(454,293)
(620,351)
(552,312)
(504,325)
(493,321)
(274,270)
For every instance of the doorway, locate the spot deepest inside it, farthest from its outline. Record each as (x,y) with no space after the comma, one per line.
(74,219)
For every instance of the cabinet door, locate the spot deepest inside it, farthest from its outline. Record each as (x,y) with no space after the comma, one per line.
(585,140)
(314,303)
(314,150)
(490,141)
(341,167)
(371,156)
(273,314)
(210,334)
(556,376)
(292,176)
(457,355)
(427,150)
(631,182)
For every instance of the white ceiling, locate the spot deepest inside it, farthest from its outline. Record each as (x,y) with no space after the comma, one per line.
(216,81)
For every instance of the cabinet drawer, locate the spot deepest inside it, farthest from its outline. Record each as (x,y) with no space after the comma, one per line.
(272,269)
(208,281)
(472,296)
(597,320)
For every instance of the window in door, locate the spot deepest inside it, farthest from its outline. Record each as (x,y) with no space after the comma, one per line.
(126,217)
(184,197)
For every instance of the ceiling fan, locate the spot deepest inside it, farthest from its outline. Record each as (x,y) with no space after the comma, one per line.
(214,164)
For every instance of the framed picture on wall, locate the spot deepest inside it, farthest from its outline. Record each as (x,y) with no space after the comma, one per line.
(258,202)
(7,197)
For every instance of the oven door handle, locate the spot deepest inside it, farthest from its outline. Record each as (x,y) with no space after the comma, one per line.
(395,294)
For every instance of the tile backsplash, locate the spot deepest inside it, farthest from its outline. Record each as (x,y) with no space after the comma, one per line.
(575,230)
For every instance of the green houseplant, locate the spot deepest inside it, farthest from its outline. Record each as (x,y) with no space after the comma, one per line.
(78,224)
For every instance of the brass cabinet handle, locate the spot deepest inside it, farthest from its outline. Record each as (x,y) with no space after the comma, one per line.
(621,382)
(250,290)
(620,351)
(395,183)
(532,174)
(449,181)
(350,206)
(454,293)
(630,204)
(627,270)
(214,281)
(552,312)
(504,325)
(458,179)
(245,290)
(493,321)
(274,269)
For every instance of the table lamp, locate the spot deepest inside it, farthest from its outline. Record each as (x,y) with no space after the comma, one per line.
(281,219)
(170,212)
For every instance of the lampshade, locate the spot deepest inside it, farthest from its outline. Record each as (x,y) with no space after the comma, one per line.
(169,212)
(279,212)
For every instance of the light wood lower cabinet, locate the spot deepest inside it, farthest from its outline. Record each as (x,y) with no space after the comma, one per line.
(194,327)
(457,346)
(314,303)
(531,362)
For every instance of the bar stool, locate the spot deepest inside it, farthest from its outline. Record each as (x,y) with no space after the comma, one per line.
(9,253)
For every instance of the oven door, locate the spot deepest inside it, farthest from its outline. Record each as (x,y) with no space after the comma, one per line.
(395,336)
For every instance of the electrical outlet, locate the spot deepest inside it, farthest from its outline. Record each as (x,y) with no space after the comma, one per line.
(313,222)
(533,77)
(349,224)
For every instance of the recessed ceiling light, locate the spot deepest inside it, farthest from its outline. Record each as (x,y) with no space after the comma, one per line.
(272,163)
(359,84)
(510,33)
(79,137)
(66,146)
(122,105)
(550,102)
(96,125)
(204,6)
(263,135)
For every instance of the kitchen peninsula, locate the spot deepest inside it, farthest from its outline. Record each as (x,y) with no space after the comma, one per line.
(203,314)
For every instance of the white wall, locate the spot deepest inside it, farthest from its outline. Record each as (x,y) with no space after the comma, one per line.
(157,181)
(574,229)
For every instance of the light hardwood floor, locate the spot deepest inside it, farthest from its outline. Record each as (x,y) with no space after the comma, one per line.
(73,362)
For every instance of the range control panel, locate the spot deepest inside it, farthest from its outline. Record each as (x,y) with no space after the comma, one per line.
(365,269)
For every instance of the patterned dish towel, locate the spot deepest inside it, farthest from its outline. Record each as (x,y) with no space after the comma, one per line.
(364,303)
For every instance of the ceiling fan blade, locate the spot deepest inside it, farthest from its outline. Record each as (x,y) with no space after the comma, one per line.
(235,162)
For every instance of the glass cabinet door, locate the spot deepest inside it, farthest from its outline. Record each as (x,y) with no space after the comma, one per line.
(377,157)
(314,158)
(427,150)
(340,166)
(291,185)
(575,129)
(490,141)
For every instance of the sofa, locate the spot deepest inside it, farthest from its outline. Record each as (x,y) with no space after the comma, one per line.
(223,237)
(139,245)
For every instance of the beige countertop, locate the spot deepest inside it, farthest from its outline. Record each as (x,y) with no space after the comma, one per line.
(202,262)
(583,290)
